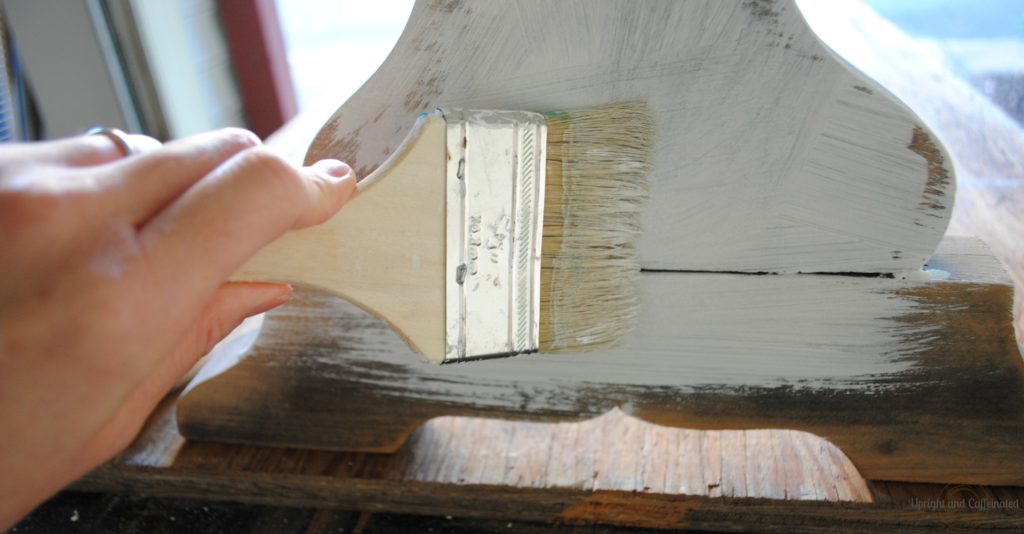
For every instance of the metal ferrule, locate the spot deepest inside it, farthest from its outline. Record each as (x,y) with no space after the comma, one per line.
(495,210)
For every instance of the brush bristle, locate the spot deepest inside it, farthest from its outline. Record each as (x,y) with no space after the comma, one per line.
(596,187)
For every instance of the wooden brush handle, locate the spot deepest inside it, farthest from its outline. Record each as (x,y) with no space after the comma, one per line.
(385,250)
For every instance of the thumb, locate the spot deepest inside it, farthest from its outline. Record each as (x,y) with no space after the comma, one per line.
(229,306)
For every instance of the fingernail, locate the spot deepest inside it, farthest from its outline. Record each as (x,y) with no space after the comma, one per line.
(282,294)
(335,168)
(285,293)
(265,295)
(253,138)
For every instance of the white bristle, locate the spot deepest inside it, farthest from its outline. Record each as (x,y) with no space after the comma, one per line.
(596,187)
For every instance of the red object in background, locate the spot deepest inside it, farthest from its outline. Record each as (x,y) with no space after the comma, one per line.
(256,42)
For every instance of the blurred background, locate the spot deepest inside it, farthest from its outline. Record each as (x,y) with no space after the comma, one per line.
(980,40)
(170,68)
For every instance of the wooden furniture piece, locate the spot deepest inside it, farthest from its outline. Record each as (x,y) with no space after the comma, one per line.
(867,362)
(606,470)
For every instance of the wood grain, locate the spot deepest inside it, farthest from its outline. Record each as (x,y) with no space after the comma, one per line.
(158,466)
(612,452)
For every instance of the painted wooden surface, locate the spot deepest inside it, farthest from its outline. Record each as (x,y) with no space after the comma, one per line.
(770,155)
(385,250)
(985,144)
(892,371)
(993,210)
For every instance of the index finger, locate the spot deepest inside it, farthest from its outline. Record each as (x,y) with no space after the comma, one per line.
(213,228)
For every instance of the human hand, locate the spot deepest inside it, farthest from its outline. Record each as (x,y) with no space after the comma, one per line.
(112,284)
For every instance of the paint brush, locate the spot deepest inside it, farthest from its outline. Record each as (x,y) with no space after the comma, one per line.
(490,233)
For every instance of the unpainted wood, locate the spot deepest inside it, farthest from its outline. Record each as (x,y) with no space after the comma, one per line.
(611,452)
(770,153)
(619,452)
(385,250)
(159,465)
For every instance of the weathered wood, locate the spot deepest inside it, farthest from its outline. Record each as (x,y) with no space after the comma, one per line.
(374,482)
(612,452)
(770,154)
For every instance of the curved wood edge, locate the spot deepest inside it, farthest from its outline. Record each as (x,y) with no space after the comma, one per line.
(160,463)
(941,185)
(984,142)
(613,451)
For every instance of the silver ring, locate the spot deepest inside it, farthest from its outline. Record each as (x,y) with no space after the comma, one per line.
(117,136)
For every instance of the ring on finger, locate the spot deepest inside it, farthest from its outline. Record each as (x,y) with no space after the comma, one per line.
(117,136)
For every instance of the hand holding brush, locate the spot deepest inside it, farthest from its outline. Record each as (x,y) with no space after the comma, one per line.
(490,233)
